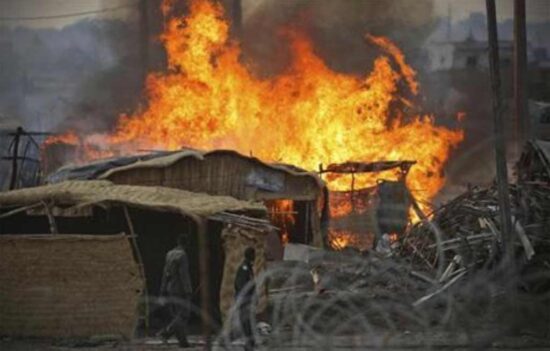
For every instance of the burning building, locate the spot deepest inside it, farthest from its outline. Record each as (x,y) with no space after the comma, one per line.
(307,115)
(359,217)
(294,197)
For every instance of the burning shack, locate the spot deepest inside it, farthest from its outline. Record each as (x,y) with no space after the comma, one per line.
(359,216)
(77,257)
(294,197)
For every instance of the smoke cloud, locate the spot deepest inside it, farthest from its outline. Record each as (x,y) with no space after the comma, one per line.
(337,29)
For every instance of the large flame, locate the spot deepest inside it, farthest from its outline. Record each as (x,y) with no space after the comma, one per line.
(306,116)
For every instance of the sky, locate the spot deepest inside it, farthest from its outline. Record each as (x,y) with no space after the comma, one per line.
(46,8)
(537,10)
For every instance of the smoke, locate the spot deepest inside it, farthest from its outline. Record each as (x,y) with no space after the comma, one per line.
(82,76)
(79,76)
(337,29)
(468,89)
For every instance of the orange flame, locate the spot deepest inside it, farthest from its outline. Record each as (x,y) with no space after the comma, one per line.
(340,239)
(70,138)
(305,116)
(281,213)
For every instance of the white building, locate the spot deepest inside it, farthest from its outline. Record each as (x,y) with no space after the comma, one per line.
(469,53)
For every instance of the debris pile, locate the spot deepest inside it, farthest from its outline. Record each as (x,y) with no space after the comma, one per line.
(464,235)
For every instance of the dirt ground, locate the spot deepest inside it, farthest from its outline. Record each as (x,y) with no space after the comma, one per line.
(393,342)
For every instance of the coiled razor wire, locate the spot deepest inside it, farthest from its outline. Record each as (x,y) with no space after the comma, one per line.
(369,302)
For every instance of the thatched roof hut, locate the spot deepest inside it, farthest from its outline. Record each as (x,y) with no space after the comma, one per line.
(220,172)
(83,246)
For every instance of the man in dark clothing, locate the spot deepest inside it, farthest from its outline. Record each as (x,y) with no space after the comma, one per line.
(176,288)
(245,292)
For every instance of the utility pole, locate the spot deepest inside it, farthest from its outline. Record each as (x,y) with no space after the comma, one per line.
(237,17)
(500,142)
(521,108)
(144,38)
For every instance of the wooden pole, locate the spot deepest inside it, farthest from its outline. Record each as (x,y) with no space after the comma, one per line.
(51,219)
(237,17)
(500,142)
(520,75)
(15,154)
(204,273)
(144,38)
(139,260)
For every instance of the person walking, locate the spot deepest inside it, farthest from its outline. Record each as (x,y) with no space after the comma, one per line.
(245,295)
(176,289)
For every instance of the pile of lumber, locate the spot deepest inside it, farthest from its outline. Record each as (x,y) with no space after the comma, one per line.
(464,235)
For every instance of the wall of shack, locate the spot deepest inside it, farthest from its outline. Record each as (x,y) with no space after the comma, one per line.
(68,285)
(224,174)
(235,241)
(231,175)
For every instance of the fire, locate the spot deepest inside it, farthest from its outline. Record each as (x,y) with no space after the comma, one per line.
(86,148)
(341,239)
(281,213)
(70,138)
(305,116)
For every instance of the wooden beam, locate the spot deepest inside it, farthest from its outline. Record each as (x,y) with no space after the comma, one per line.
(139,259)
(520,75)
(20,209)
(51,218)
(500,142)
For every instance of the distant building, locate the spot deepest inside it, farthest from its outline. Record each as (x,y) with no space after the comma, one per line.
(469,53)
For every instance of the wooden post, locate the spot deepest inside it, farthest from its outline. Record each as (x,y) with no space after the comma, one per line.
(51,219)
(15,154)
(237,17)
(520,75)
(139,259)
(144,38)
(204,262)
(500,142)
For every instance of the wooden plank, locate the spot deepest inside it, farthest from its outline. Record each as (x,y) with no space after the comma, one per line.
(438,291)
(525,242)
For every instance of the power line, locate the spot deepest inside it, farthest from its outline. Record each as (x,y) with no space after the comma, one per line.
(67,15)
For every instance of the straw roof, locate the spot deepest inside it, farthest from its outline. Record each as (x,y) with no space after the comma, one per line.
(170,159)
(102,191)
(103,169)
